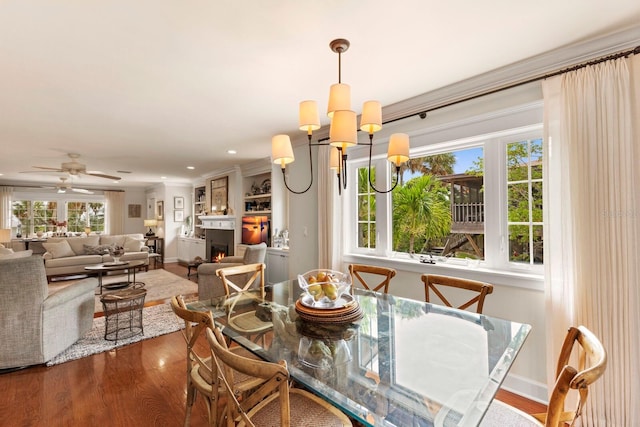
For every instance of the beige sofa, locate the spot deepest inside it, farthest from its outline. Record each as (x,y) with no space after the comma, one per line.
(70,255)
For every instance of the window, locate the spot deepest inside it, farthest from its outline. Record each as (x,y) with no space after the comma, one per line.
(479,198)
(366,210)
(524,201)
(30,217)
(33,216)
(85,214)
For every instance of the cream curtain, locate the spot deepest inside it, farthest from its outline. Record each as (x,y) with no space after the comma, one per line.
(6,196)
(592,209)
(329,222)
(115,212)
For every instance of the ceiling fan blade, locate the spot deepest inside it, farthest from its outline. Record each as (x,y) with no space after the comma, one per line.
(48,168)
(43,171)
(101,175)
(81,190)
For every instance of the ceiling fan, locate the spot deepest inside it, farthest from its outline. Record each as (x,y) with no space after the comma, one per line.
(74,168)
(65,186)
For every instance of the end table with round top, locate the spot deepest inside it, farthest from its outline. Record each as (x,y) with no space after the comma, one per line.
(102,269)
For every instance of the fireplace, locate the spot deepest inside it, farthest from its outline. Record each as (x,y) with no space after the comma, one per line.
(219,243)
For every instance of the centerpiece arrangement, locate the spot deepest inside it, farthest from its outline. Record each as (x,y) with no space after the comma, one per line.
(326,297)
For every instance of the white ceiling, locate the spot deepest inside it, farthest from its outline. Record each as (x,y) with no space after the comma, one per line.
(154,86)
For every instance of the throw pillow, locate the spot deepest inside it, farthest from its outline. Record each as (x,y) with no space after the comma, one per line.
(96,250)
(59,250)
(5,251)
(132,245)
(12,255)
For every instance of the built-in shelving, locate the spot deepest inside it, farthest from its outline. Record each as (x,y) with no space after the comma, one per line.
(199,208)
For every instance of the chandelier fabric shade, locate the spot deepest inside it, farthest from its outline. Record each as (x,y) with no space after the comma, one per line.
(281,150)
(343,131)
(339,98)
(398,151)
(309,119)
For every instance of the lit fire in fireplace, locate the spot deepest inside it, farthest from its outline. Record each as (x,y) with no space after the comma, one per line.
(218,257)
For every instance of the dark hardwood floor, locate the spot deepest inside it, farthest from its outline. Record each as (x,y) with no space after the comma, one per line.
(142,384)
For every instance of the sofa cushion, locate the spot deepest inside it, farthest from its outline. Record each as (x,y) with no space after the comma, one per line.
(132,245)
(96,249)
(77,243)
(6,253)
(59,250)
(112,240)
(79,261)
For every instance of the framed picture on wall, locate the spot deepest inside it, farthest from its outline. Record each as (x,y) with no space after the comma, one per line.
(160,210)
(178,203)
(219,195)
(178,215)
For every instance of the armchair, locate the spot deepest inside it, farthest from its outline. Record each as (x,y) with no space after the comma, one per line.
(210,285)
(37,326)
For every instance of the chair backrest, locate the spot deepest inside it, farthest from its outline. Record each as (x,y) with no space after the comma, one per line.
(250,274)
(275,378)
(363,272)
(433,284)
(195,322)
(592,362)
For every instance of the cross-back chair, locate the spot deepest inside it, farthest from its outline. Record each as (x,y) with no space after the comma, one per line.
(434,283)
(362,272)
(199,371)
(252,277)
(592,362)
(273,402)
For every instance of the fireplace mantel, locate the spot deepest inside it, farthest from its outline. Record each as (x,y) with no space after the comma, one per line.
(218,222)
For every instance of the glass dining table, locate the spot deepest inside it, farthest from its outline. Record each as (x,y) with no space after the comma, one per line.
(400,363)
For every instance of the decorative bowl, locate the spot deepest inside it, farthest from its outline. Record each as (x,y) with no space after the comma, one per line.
(325,287)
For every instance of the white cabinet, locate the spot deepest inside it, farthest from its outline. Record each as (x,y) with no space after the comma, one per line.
(189,249)
(277,262)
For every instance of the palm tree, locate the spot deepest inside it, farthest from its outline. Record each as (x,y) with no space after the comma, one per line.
(420,211)
(440,164)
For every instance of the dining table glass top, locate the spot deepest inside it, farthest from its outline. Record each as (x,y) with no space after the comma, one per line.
(402,363)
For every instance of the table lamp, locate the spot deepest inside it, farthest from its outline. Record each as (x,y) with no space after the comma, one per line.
(150,223)
(5,235)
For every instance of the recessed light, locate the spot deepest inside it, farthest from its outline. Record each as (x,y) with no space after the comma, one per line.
(232,152)
(190,167)
(163,177)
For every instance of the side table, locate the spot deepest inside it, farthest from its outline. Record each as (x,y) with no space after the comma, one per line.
(123,313)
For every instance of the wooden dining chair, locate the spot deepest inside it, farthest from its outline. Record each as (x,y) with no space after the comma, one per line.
(199,371)
(249,276)
(434,283)
(273,403)
(362,272)
(592,362)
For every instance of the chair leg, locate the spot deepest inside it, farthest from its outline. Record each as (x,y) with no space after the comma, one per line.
(191,399)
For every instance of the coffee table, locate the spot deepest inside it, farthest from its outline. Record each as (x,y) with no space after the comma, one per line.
(102,269)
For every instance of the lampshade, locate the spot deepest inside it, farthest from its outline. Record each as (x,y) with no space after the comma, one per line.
(150,222)
(398,151)
(343,131)
(339,98)
(309,119)
(334,158)
(281,150)
(371,118)
(5,235)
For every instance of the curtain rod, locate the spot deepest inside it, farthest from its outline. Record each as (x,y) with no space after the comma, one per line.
(423,113)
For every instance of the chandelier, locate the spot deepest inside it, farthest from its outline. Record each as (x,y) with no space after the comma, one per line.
(343,132)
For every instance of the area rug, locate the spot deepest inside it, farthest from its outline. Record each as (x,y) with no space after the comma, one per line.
(156,320)
(160,285)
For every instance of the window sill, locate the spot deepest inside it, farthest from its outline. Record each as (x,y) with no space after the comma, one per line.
(518,279)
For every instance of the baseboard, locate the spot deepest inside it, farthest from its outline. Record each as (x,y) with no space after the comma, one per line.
(525,387)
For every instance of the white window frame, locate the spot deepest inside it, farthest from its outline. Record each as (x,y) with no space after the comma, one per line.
(514,125)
